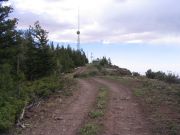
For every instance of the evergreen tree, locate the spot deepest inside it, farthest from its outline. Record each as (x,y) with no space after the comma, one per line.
(39,60)
(67,58)
(27,55)
(39,35)
(8,33)
(104,61)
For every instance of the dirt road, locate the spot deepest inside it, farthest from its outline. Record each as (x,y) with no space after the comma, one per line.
(67,118)
(123,116)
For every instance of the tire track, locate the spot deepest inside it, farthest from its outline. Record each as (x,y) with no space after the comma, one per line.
(71,117)
(123,115)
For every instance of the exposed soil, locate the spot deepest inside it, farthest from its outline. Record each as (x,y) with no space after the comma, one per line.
(57,117)
(123,115)
(64,118)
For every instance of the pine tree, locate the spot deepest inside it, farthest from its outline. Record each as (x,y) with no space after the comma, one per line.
(40,60)
(7,35)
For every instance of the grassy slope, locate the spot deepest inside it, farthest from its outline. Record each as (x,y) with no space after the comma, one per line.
(160,102)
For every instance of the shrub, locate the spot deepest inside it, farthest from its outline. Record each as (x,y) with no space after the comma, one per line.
(150,74)
(93,73)
(7,116)
(123,71)
(160,75)
(172,78)
(12,101)
(99,67)
(135,74)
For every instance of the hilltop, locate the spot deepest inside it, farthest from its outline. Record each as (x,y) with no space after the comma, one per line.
(105,100)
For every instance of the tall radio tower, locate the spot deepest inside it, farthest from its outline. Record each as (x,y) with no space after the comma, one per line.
(78,32)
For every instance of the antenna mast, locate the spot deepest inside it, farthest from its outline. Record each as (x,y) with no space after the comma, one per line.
(78,32)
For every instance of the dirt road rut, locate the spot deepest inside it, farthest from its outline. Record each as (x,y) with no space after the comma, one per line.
(67,121)
(123,115)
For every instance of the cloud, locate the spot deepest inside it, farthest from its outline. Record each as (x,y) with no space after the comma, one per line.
(113,21)
(148,15)
(48,22)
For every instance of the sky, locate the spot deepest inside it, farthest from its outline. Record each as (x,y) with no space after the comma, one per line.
(135,34)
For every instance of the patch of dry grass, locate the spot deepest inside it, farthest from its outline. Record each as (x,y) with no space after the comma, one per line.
(160,102)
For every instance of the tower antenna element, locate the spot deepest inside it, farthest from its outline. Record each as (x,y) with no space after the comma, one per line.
(78,32)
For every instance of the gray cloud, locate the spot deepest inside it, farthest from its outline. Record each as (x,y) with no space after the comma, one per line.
(120,20)
(49,23)
(158,16)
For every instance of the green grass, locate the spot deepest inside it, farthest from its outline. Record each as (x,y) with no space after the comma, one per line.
(96,114)
(90,129)
(100,106)
(102,99)
(93,125)
(138,92)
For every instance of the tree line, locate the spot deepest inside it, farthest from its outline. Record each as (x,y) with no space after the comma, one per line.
(28,52)
(28,55)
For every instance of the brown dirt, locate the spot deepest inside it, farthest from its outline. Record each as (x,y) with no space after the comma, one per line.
(57,117)
(123,115)
(64,118)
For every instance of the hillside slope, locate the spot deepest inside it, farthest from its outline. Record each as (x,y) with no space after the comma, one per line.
(134,105)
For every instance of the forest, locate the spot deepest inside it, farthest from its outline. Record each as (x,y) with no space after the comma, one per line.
(30,65)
